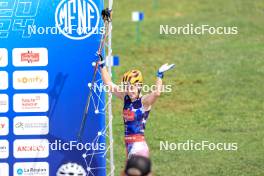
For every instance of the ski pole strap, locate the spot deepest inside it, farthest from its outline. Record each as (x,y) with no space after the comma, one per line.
(102,63)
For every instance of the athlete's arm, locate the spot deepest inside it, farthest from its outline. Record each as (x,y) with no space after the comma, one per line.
(149,99)
(108,81)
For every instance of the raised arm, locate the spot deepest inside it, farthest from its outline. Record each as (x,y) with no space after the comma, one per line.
(117,91)
(149,99)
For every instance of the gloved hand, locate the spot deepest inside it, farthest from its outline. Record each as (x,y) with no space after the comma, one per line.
(107,15)
(163,69)
(102,61)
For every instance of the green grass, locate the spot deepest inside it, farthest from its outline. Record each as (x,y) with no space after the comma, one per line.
(217,85)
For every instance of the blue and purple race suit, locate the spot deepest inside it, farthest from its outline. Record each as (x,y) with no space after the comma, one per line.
(135,118)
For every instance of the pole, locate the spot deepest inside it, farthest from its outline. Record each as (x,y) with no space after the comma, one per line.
(86,110)
(154,4)
(110,113)
(138,32)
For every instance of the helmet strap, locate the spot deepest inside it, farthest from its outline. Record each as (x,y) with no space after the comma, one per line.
(139,92)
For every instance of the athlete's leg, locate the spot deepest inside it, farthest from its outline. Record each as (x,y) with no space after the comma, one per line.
(138,148)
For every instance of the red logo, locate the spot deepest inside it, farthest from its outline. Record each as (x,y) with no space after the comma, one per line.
(31,148)
(30,57)
(129,115)
(2,125)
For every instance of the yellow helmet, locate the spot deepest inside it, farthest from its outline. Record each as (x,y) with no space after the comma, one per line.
(133,77)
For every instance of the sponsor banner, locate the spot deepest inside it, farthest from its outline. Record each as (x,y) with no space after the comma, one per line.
(4,149)
(31,169)
(4,126)
(30,80)
(4,103)
(31,125)
(28,57)
(31,148)
(3,57)
(63,31)
(3,80)
(4,169)
(31,103)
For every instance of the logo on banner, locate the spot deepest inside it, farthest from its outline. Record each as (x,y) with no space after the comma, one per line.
(4,169)
(32,125)
(71,169)
(31,168)
(30,79)
(3,57)
(4,149)
(4,126)
(27,57)
(31,148)
(3,80)
(77,19)
(3,103)
(31,102)
(30,57)
(16,16)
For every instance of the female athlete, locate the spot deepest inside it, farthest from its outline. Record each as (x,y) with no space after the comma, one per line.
(136,107)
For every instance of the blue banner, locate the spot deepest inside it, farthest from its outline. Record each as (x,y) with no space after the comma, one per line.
(47,48)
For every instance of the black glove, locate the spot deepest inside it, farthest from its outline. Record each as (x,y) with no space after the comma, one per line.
(107,15)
